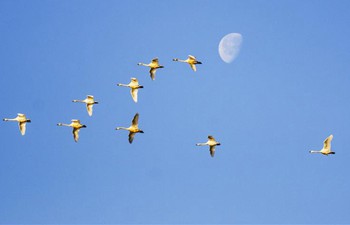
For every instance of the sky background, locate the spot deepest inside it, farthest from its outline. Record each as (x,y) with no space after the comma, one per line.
(283,95)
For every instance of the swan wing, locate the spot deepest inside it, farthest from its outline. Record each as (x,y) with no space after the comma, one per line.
(193,66)
(89,109)
(135,121)
(191,57)
(134,82)
(211,138)
(22,127)
(327,142)
(152,73)
(76,134)
(131,136)
(134,92)
(212,150)
(155,60)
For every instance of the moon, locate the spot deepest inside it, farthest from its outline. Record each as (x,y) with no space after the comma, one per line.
(230,46)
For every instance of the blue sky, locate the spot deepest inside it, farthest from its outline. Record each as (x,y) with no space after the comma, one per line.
(283,95)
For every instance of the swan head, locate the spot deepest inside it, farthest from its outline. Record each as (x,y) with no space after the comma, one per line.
(84,126)
(141,131)
(218,143)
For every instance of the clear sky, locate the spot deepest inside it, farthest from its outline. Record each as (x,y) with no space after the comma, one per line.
(283,95)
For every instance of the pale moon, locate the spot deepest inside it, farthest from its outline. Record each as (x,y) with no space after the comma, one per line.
(230,46)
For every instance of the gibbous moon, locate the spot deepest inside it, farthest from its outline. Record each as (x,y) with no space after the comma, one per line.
(229,46)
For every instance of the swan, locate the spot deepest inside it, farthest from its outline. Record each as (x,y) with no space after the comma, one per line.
(154,65)
(89,101)
(133,129)
(191,60)
(76,125)
(134,85)
(326,150)
(22,120)
(212,143)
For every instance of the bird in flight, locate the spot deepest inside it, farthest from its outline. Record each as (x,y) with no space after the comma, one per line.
(76,125)
(133,129)
(326,150)
(89,101)
(134,85)
(154,65)
(22,121)
(212,143)
(191,60)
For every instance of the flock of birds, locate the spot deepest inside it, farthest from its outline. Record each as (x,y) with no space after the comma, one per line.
(133,128)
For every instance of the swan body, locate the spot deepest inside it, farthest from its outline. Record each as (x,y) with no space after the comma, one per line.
(191,60)
(154,65)
(326,150)
(22,121)
(76,125)
(89,101)
(133,129)
(134,85)
(212,143)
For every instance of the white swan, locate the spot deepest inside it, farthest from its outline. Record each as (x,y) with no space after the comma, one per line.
(133,129)
(326,150)
(89,101)
(76,125)
(212,143)
(22,120)
(154,65)
(134,85)
(191,60)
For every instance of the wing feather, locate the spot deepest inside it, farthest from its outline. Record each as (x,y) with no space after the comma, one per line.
(153,73)
(89,108)
(327,142)
(76,134)
(212,150)
(211,138)
(135,121)
(131,136)
(193,66)
(133,93)
(22,127)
